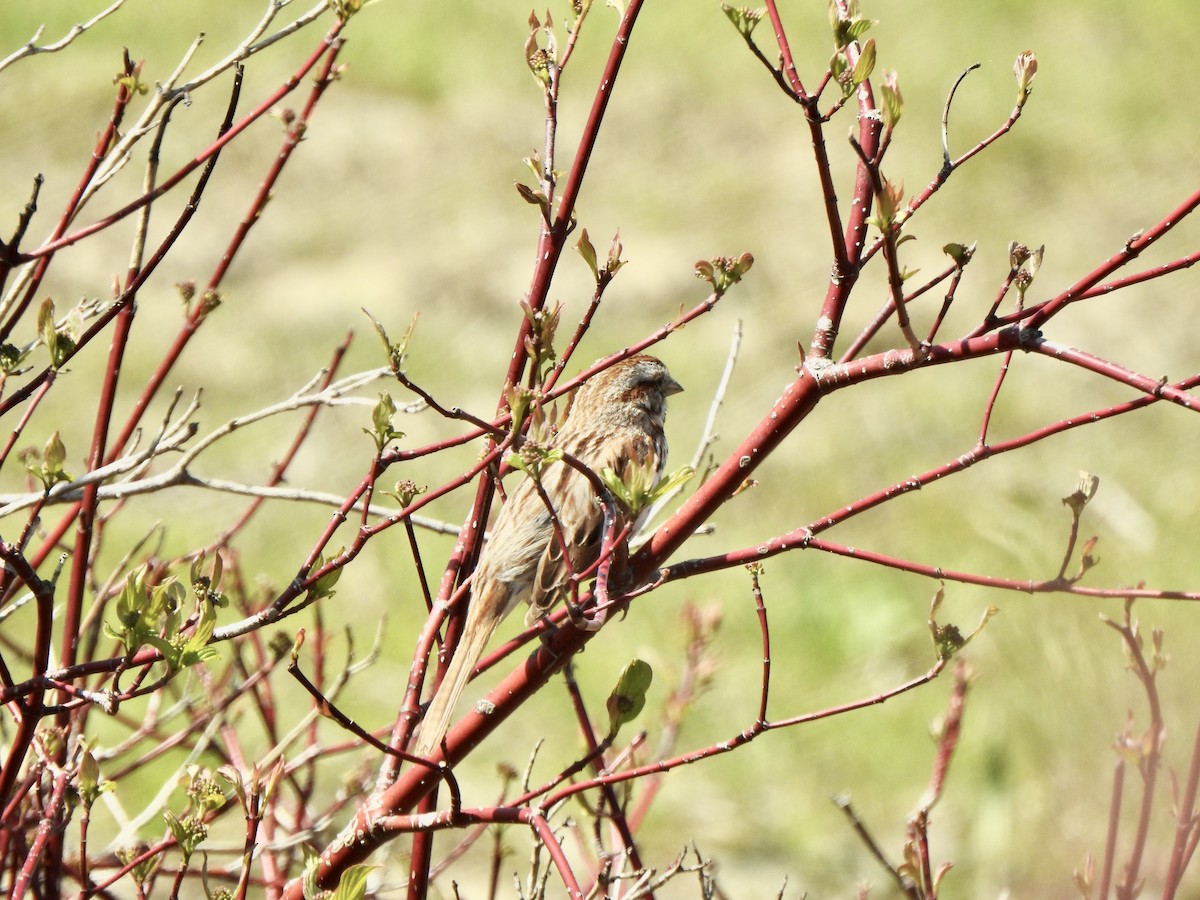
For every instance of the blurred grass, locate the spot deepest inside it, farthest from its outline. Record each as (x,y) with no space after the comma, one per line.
(401,201)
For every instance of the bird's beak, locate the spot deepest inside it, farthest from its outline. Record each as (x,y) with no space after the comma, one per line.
(671,386)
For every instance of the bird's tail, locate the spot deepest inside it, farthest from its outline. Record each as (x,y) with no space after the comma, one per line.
(475,638)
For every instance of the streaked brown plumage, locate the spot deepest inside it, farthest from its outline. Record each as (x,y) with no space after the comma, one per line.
(615,420)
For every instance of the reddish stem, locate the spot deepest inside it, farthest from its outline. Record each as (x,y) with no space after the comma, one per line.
(1114,825)
(328,44)
(47,828)
(99,151)
(1185,826)
(1132,249)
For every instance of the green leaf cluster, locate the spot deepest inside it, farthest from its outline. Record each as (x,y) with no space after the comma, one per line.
(189,832)
(601,274)
(59,341)
(405,491)
(47,466)
(850,27)
(744,19)
(532,459)
(351,886)
(155,615)
(143,871)
(636,489)
(542,60)
(205,795)
(382,432)
(539,342)
(396,352)
(948,639)
(723,272)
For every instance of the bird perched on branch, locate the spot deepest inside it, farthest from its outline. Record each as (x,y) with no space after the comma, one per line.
(615,422)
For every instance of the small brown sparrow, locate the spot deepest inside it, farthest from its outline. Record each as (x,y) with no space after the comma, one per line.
(615,421)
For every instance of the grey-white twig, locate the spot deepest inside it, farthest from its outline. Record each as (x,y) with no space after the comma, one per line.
(32,48)
(176,431)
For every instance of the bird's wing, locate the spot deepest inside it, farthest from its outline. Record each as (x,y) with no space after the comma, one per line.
(581,521)
(573,546)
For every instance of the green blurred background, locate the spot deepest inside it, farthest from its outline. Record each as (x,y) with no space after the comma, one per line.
(400,200)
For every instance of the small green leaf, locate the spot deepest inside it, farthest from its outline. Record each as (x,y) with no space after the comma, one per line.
(381,431)
(195,649)
(636,488)
(745,20)
(47,466)
(381,417)
(866,63)
(141,872)
(353,883)
(169,598)
(89,772)
(628,698)
(723,272)
(1035,261)
(893,101)
(58,343)
(588,252)
(838,67)
(55,454)
(190,832)
(848,28)
(614,262)
(679,477)
(1083,493)
(312,865)
(131,83)
(234,777)
(323,587)
(395,352)
(90,785)
(519,399)
(347,8)
(129,602)
(960,253)
(1025,69)
(534,197)
(204,791)
(530,195)
(857,27)
(542,61)
(45,321)
(617,486)
(532,459)
(406,491)
(891,200)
